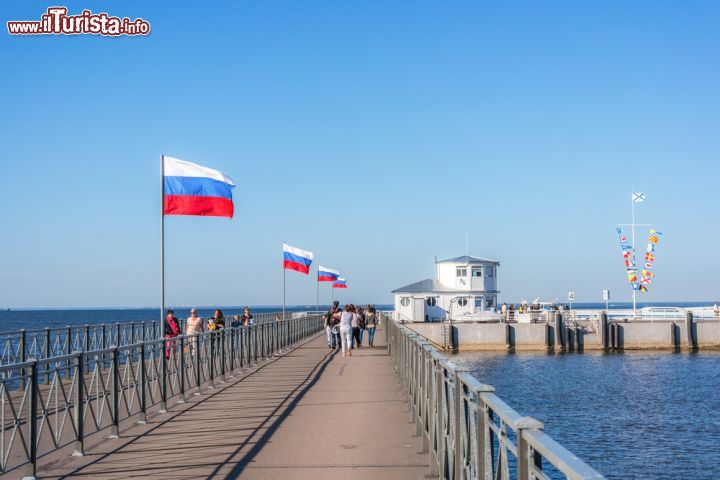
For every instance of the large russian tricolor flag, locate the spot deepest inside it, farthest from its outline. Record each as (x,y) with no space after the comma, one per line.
(340,283)
(296,259)
(327,274)
(192,189)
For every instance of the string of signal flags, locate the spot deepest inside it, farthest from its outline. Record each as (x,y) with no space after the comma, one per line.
(195,190)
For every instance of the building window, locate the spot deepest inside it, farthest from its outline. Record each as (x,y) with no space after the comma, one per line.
(477,271)
(462,301)
(431,301)
(479,302)
(461,272)
(490,302)
(490,271)
(405,301)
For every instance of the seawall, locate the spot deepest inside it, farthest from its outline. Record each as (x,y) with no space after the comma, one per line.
(573,336)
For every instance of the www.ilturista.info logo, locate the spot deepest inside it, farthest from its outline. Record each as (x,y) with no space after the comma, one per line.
(57,22)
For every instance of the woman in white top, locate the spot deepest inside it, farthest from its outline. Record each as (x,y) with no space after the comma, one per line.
(346,330)
(193,325)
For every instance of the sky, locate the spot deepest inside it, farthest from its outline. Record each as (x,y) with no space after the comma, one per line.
(375,134)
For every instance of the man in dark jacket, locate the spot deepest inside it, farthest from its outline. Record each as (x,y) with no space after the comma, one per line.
(332,318)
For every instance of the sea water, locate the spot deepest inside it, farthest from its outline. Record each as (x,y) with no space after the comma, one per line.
(632,415)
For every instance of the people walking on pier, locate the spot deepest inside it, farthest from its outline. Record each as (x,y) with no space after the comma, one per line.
(716,311)
(215,324)
(218,319)
(346,330)
(248,318)
(172,330)
(193,325)
(361,325)
(355,323)
(370,324)
(332,319)
(504,311)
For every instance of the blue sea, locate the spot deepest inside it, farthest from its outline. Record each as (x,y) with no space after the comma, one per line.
(13,320)
(633,415)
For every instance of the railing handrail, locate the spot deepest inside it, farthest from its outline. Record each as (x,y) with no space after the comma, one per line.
(465,425)
(17,345)
(85,392)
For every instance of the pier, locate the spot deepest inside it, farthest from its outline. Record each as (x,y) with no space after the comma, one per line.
(268,401)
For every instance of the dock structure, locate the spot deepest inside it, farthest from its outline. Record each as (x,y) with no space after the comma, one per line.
(269,401)
(306,413)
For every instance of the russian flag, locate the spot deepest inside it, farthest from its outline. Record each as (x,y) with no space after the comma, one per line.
(296,259)
(191,189)
(340,283)
(327,274)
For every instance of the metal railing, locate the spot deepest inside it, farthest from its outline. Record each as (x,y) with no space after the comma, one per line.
(19,345)
(468,431)
(50,403)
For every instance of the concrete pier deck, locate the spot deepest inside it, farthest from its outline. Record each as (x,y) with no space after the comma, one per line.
(308,414)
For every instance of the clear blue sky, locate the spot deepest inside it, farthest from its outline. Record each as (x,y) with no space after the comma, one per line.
(374,133)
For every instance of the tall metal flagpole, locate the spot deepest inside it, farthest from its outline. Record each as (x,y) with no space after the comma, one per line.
(632,201)
(162,242)
(317,292)
(283,267)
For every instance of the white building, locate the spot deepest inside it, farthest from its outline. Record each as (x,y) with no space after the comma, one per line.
(464,285)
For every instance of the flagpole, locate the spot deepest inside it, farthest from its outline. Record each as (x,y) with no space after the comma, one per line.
(632,201)
(317,292)
(283,267)
(162,242)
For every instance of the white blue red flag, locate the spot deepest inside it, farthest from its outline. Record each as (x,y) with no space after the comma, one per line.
(296,259)
(326,274)
(340,283)
(191,189)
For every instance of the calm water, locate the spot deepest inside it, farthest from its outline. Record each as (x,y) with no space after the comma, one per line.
(630,415)
(14,320)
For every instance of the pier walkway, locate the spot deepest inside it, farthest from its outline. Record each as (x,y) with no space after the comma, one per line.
(308,413)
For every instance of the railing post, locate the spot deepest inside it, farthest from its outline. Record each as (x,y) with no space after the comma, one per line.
(143,383)
(211,365)
(182,369)
(116,392)
(458,400)
(68,350)
(23,354)
(117,334)
(79,407)
(484,458)
(103,343)
(198,362)
(233,338)
(32,421)
(163,380)
(86,347)
(524,462)
(223,337)
(46,354)
(132,333)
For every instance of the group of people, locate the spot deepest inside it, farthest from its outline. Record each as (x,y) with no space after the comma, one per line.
(508,311)
(195,324)
(345,327)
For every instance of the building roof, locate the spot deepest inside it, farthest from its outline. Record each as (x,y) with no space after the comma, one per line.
(433,286)
(469,259)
